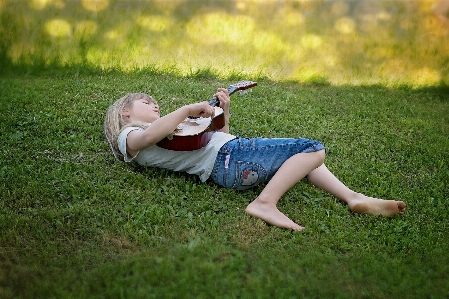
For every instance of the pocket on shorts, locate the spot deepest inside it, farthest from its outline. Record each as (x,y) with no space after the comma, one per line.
(248,175)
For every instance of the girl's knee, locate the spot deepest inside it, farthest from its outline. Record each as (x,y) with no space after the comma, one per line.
(321,154)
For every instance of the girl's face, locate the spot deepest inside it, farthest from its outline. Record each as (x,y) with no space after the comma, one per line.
(142,110)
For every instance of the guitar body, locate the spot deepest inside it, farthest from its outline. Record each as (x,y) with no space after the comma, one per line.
(195,133)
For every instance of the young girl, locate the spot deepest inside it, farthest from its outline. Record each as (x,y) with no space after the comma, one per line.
(133,127)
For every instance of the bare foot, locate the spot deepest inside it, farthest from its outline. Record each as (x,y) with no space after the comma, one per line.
(375,206)
(271,215)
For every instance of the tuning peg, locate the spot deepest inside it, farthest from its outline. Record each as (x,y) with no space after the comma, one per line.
(245,91)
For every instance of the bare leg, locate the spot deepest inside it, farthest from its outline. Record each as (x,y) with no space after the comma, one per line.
(292,171)
(358,203)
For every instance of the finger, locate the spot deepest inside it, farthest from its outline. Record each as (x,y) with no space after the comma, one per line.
(219,94)
(222,95)
(207,110)
(224,90)
(207,113)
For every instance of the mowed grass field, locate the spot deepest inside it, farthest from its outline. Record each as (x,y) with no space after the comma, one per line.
(76,223)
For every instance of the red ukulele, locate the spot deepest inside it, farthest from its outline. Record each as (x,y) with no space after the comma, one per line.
(195,133)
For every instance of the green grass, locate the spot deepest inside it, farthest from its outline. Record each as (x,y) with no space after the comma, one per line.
(75,223)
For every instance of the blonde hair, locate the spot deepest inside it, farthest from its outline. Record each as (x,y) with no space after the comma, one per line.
(114,122)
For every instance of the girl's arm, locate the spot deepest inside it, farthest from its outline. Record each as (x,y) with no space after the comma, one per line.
(225,102)
(164,126)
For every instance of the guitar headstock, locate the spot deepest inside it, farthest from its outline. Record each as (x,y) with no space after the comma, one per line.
(242,85)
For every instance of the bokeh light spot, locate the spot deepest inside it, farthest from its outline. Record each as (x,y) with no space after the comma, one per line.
(345,25)
(154,23)
(330,59)
(241,5)
(42,4)
(112,34)
(384,16)
(95,5)
(58,28)
(39,4)
(311,41)
(294,18)
(345,42)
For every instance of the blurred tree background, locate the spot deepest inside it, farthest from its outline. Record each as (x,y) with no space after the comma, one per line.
(337,42)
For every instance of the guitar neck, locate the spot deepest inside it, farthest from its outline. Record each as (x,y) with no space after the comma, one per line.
(214,102)
(232,89)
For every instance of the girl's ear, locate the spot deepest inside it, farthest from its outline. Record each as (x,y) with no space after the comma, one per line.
(125,113)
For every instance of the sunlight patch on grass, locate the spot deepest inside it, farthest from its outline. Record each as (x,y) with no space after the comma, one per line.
(345,25)
(58,28)
(293,18)
(39,4)
(330,59)
(113,34)
(384,16)
(220,27)
(311,41)
(397,68)
(95,55)
(119,35)
(425,76)
(269,42)
(85,29)
(309,74)
(154,23)
(346,42)
(295,53)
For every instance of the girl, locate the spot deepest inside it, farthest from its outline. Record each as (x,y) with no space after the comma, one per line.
(133,127)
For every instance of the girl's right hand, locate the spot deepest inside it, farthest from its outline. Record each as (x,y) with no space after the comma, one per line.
(202,109)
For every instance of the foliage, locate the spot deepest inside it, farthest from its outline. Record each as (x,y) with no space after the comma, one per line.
(341,42)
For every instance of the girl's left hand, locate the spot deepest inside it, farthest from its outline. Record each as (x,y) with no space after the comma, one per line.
(223,96)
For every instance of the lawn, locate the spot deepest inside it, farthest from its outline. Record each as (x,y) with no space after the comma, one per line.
(367,78)
(76,223)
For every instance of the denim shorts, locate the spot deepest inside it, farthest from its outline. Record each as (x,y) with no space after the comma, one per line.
(244,163)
